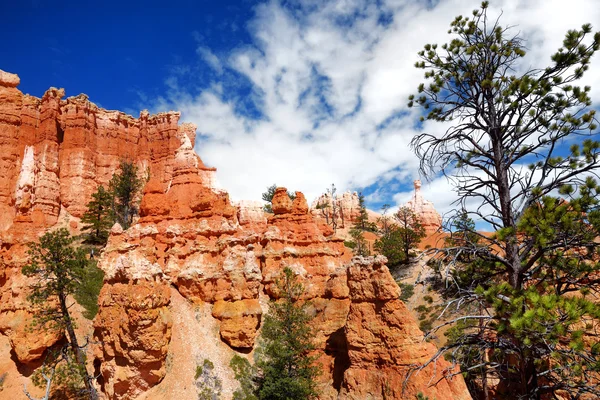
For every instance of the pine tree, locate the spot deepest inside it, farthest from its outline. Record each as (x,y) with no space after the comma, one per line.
(409,228)
(58,269)
(99,217)
(125,187)
(390,245)
(362,221)
(283,358)
(359,244)
(527,319)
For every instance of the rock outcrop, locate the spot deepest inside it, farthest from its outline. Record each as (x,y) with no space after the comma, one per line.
(430,218)
(191,249)
(347,208)
(54,153)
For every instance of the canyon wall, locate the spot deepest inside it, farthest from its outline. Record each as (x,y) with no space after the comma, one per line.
(193,276)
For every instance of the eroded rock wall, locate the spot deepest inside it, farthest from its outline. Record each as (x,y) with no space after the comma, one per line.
(54,153)
(366,338)
(190,249)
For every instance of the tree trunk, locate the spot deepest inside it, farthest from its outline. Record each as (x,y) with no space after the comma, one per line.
(526,366)
(79,356)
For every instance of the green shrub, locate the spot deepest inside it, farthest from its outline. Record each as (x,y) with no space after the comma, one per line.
(245,375)
(422,308)
(425,325)
(208,384)
(88,290)
(406,291)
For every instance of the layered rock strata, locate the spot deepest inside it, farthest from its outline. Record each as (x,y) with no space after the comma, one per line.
(191,243)
(54,153)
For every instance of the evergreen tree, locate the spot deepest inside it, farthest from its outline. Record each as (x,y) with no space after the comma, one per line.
(362,221)
(384,221)
(527,322)
(125,187)
(286,367)
(246,375)
(334,207)
(390,244)
(268,197)
(99,217)
(359,244)
(88,289)
(409,228)
(58,269)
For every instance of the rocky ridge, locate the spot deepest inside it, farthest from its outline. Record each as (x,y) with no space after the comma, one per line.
(191,242)
(348,209)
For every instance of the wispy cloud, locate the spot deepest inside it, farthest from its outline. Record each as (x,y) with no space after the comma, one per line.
(319,94)
(210,58)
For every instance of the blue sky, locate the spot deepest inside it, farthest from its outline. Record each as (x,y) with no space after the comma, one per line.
(114,51)
(299,93)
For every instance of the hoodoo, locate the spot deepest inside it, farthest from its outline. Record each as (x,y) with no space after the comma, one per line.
(429,217)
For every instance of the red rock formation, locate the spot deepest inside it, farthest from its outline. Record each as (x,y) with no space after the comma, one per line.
(430,218)
(346,204)
(55,152)
(348,207)
(250,213)
(134,329)
(53,155)
(191,240)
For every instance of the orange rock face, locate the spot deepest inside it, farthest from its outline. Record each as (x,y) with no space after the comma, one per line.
(134,329)
(191,241)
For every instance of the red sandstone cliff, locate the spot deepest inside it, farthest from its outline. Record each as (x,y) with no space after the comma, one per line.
(192,278)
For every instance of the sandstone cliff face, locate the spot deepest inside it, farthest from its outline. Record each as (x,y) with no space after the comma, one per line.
(54,153)
(191,249)
(365,336)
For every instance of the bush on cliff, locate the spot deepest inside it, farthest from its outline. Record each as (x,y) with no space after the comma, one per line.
(117,204)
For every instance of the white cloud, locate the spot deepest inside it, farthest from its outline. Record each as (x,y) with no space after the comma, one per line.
(331,81)
(210,58)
